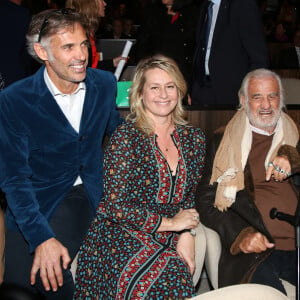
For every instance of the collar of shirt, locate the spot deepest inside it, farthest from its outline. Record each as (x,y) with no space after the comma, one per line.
(216,7)
(216,2)
(71,105)
(262,132)
(54,90)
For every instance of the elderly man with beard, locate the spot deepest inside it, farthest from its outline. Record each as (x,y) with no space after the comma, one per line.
(254,169)
(52,126)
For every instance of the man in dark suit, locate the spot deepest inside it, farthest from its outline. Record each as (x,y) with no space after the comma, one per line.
(290,58)
(52,126)
(233,45)
(14,59)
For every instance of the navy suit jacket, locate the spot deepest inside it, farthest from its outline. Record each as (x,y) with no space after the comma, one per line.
(41,154)
(238,46)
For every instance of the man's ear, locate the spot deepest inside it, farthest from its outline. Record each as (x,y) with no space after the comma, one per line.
(40,51)
(242,101)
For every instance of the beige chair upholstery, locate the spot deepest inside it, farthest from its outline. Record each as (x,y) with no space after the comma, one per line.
(212,256)
(213,252)
(200,247)
(243,292)
(292,90)
(74,266)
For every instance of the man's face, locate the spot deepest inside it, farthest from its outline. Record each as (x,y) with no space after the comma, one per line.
(101,4)
(67,58)
(263,105)
(117,27)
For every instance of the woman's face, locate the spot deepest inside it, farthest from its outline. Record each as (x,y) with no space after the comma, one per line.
(160,94)
(101,4)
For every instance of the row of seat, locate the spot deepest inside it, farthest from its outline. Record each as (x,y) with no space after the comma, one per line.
(208,252)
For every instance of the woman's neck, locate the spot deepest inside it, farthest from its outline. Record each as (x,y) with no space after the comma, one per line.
(164,129)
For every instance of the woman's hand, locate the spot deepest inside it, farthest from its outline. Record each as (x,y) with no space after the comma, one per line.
(184,219)
(186,250)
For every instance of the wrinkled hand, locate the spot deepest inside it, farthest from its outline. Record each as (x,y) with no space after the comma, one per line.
(186,250)
(255,243)
(47,259)
(185,219)
(117,59)
(279,169)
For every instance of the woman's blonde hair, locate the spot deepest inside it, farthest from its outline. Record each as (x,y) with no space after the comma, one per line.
(88,8)
(137,110)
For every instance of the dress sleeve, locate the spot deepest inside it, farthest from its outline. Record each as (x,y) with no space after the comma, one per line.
(119,205)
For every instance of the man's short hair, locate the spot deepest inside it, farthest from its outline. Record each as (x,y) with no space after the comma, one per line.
(49,22)
(260,74)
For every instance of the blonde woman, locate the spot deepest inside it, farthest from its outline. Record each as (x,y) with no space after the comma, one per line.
(142,241)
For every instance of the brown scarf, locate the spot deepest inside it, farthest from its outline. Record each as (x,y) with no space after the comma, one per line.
(232,154)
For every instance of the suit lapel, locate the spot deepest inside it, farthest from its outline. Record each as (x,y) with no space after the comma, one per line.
(92,93)
(201,19)
(49,105)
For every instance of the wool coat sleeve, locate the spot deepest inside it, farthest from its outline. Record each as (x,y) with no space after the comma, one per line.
(228,224)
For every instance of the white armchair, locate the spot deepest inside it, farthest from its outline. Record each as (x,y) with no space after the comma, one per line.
(243,292)
(200,249)
(213,252)
(212,256)
(292,90)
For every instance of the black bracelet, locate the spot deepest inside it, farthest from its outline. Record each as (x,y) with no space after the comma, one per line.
(191,231)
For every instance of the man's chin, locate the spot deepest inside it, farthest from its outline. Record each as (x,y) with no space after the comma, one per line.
(266,125)
(79,78)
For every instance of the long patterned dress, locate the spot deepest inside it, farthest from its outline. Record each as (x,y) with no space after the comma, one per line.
(123,255)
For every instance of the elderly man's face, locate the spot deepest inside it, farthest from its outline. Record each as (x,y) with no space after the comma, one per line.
(263,105)
(67,58)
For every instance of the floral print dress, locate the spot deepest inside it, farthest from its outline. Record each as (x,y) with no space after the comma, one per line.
(123,255)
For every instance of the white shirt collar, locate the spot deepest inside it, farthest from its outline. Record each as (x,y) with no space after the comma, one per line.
(216,2)
(54,90)
(263,132)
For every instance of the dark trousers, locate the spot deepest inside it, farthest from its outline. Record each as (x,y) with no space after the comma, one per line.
(70,223)
(280,264)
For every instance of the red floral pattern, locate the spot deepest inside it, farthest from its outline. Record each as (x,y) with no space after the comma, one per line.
(123,256)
